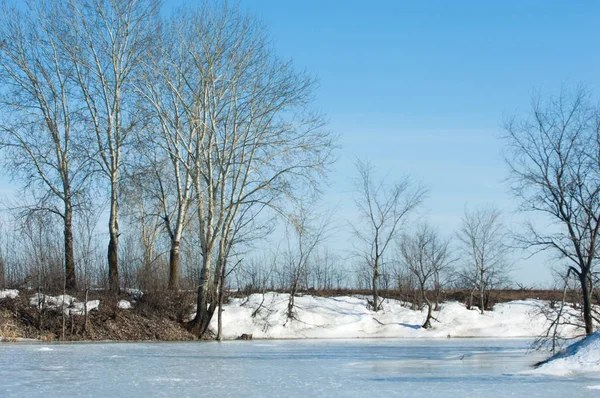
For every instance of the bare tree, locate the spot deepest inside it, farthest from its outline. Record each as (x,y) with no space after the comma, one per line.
(41,121)
(426,256)
(309,229)
(255,139)
(169,86)
(483,241)
(554,158)
(105,42)
(382,211)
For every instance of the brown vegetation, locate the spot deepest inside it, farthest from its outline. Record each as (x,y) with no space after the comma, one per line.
(154,317)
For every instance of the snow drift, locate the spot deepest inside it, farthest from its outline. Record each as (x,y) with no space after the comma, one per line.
(578,358)
(348,317)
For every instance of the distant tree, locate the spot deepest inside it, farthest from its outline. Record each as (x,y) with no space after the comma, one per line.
(382,210)
(554,157)
(309,229)
(485,252)
(425,255)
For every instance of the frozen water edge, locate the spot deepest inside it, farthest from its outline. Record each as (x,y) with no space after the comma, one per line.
(320,368)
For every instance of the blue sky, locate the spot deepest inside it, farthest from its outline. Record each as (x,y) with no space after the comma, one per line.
(422,88)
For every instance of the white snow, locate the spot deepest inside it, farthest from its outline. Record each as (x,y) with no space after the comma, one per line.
(349,317)
(9,293)
(124,305)
(578,358)
(69,304)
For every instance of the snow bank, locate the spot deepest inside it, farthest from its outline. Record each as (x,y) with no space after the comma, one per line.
(69,304)
(349,317)
(8,293)
(580,357)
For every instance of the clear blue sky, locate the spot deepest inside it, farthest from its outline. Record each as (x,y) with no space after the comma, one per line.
(422,87)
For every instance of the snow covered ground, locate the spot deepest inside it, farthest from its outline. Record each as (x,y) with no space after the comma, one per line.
(266,317)
(582,357)
(8,293)
(69,304)
(349,317)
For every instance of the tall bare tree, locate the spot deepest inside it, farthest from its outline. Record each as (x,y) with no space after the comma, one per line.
(425,255)
(485,253)
(169,86)
(554,159)
(254,139)
(41,121)
(382,210)
(106,43)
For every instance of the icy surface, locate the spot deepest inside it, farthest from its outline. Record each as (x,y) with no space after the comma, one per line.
(302,368)
(8,293)
(349,317)
(578,358)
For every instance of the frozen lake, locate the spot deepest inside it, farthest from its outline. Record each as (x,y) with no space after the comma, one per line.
(307,368)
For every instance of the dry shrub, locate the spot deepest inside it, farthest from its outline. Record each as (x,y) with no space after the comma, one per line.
(177,306)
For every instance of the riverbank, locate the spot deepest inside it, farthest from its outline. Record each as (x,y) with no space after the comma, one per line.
(129,317)
(134,316)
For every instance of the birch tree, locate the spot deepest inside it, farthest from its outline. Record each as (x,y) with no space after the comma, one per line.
(106,43)
(254,139)
(382,210)
(169,88)
(553,153)
(41,122)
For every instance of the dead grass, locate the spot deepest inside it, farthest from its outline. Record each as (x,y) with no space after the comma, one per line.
(148,320)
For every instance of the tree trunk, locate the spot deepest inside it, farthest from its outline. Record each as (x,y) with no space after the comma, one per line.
(203,312)
(374,285)
(2,282)
(70,279)
(113,245)
(220,310)
(482,293)
(427,323)
(174,256)
(113,263)
(291,301)
(586,292)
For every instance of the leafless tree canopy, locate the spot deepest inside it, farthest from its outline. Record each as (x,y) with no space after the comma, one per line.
(553,155)
(483,242)
(382,210)
(426,255)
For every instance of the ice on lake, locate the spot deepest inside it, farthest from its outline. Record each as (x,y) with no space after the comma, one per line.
(313,368)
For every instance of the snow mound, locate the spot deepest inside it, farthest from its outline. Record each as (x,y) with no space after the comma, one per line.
(580,357)
(8,293)
(124,305)
(349,317)
(69,304)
